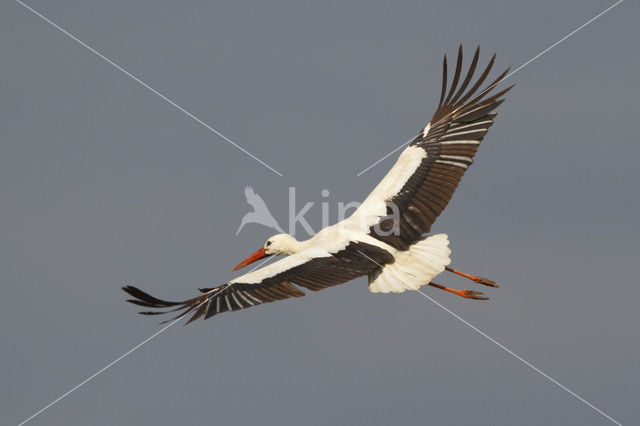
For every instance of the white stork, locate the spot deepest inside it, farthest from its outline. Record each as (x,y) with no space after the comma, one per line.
(391,249)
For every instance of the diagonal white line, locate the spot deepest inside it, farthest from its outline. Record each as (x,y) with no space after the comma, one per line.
(563,38)
(506,349)
(516,70)
(145,85)
(386,156)
(519,358)
(88,379)
(121,357)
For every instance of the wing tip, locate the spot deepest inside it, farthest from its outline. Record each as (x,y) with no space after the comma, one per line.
(465,96)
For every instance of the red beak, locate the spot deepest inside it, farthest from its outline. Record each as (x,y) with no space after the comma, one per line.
(255,256)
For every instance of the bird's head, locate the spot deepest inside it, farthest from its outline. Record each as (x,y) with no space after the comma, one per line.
(278,244)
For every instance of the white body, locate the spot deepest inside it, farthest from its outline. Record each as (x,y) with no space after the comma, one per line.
(411,269)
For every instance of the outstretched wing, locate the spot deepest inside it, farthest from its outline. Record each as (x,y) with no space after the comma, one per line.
(314,269)
(255,200)
(419,186)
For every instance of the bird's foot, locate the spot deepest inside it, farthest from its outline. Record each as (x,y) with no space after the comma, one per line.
(474,278)
(471,294)
(466,293)
(485,281)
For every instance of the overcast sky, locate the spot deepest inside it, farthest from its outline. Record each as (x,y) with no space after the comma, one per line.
(103,183)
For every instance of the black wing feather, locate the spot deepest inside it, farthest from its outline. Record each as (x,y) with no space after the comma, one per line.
(455,132)
(355,260)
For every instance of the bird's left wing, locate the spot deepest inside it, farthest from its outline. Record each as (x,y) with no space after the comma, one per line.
(419,186)
(314,269)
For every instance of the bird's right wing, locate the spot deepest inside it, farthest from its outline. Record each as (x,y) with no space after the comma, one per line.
(314,269)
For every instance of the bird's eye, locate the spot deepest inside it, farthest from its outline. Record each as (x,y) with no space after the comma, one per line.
(268,243)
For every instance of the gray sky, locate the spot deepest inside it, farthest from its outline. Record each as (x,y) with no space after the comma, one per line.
(103,183)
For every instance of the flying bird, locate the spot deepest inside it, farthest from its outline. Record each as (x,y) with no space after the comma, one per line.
(386,238)
(260,213)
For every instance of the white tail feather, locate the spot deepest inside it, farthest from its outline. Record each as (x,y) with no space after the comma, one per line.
(414,267)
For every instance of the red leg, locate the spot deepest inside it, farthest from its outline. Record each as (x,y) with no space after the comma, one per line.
(467,294)
(479,280)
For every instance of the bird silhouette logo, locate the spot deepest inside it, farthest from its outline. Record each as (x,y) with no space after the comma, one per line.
(260,214)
